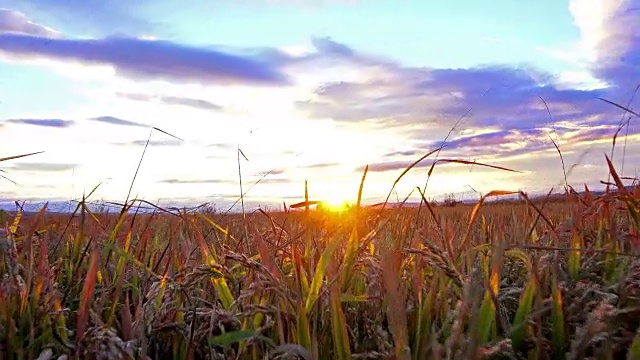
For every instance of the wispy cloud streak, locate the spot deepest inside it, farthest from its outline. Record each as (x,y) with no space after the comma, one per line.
(56,123)
(117,121)
(172,100)
(149,59)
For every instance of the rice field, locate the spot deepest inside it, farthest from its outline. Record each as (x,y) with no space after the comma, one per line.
(524,279)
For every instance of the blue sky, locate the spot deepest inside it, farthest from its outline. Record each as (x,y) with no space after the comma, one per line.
(309,90)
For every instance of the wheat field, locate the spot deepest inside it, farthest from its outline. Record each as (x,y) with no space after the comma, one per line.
(521,279)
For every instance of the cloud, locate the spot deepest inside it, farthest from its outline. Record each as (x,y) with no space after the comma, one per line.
(58,123)
(17,23)
(513,142)
(502,144)
(496,95)
(400,153)
(499,146)
(149,59)
(168,142)
(391,165)
(532,139)
(141,142)
(95,17)
(273,172)
(402,165)
(326,52)
(328,46)
(197,181)
(46,167)
(117,121)
(508,101)
(276,181)
(611,32)
(222,146)
(173,100)
(322,165)
(195,103)
(269,179)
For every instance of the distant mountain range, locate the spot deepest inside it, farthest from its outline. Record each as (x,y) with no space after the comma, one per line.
(67,206)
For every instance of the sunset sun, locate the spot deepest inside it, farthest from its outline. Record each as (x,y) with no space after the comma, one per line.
(335,204)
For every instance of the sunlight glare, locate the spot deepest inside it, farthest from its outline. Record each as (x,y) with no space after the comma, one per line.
(336,203)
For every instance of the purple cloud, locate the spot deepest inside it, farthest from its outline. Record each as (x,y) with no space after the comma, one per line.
(57,123)
(149,59)
(593,134)
(497,96)
(326,45)
(501,143)
(618,45)
(173,100)
(16,22)
(424,103)
(328,52)
(401,165)
(496,139)
(117,121)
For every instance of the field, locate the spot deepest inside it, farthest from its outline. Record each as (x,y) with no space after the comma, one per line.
(524,279)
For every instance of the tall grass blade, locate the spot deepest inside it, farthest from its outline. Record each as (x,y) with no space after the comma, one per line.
(426,314)
(557,319)
(620,107)
(487,313)
(244,214)
(303,327)
(232,337)
(321,268)
(31,266)
(632,204)
(351,251)
(574,256)
(87,294)
(218,281)
(520,322)
(119,280)
(16,221)
(19,156)
(267,258)
(338,319)
(391,263)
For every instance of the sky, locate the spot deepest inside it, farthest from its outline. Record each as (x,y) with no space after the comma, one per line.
(312,90)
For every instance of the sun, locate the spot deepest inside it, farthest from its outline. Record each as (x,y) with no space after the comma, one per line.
(336,203)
